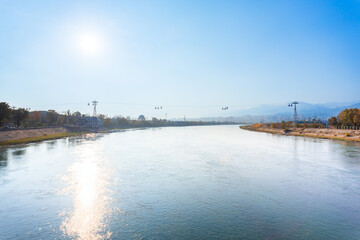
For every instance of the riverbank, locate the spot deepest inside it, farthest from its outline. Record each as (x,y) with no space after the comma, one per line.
(19,136)
(324,133)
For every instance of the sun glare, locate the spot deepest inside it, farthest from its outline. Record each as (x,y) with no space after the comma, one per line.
(89,44)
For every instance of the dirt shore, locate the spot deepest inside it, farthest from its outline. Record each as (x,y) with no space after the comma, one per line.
(327,133)
(29,133)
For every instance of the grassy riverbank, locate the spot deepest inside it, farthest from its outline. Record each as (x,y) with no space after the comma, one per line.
(20,136)
(324,133)
(41,138)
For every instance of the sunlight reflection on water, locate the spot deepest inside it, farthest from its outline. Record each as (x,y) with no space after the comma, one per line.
(87,180)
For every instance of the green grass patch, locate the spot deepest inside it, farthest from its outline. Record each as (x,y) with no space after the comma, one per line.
(41,138)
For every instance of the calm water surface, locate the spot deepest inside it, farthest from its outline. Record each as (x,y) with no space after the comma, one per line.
(209,182)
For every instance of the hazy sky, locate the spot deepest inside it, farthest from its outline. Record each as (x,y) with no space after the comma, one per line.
(191,57)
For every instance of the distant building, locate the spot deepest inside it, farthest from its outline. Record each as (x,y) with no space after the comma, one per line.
(89,122)
(141,118)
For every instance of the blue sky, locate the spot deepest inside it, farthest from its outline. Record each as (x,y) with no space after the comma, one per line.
(191,57)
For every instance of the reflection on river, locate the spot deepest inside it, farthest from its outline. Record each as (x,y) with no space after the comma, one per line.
(87,180)
(209,182)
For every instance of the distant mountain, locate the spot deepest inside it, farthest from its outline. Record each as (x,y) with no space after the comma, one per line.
(356,105)
(323,111)
(276,113)
(340,104)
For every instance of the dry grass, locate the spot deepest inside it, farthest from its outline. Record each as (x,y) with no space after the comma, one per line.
(40,138)
(347,136)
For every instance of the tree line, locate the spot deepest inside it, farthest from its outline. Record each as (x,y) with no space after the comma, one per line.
(348,118)
(11,117)
(21,117)
(120,122)
(311,123)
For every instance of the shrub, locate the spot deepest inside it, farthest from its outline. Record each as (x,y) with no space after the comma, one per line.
(257,125)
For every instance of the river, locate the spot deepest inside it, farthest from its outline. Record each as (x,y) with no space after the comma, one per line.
(205,182)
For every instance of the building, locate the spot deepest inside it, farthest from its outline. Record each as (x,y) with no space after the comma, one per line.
(89,122)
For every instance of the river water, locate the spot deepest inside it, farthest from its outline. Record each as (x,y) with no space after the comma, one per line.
(206,182)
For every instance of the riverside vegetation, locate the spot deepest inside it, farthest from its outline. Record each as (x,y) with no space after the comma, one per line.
(69,124)
(346,126)
(23,118)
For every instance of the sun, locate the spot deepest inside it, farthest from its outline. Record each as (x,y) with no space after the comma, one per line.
(89,44)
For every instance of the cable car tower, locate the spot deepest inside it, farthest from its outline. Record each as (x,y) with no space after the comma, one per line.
(293,104)
(94,103)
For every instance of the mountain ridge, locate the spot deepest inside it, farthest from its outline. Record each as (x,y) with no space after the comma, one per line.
(276,113)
